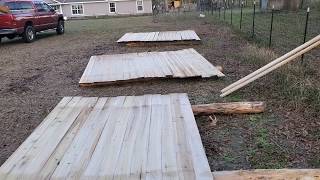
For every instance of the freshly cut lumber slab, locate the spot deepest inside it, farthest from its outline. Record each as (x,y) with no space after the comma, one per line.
(108,69)
(125,137)
(163,36)
(270,174)
(229,108)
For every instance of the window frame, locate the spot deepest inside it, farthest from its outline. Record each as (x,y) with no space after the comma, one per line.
(77,9)
(139,11)
(45,7)
(115,7)
(15,3)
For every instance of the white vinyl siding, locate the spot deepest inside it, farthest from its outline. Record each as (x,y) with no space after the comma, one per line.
(77,9)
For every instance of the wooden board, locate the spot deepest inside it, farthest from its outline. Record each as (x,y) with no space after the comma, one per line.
(126,137)
(163,36)
(268,174)
(107,69)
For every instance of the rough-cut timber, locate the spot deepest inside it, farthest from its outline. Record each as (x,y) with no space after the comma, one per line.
(165,36)
(229,108)
(126,137)
(268,174)
(109,69)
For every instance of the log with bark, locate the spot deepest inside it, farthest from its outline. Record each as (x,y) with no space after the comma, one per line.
(229,108)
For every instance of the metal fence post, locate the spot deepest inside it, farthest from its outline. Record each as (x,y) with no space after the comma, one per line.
(305,31)
(231,6)
(253,18)
(271,26)
(224,13)
(211,7)
(241,6)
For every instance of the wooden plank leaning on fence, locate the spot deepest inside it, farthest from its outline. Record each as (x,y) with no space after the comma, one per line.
(229,108)
(306,47)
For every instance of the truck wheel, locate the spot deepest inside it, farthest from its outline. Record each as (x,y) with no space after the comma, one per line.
(60,27)
(29,35)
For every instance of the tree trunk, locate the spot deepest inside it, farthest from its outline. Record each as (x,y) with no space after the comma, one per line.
(229,108)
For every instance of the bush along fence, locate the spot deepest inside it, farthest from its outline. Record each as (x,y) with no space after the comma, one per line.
(281,30)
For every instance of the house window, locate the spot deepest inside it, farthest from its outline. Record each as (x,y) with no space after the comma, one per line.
(139,5)
(112,7)
(56,7)
(77,9)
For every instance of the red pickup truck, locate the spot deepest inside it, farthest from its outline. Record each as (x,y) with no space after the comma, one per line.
(26,17)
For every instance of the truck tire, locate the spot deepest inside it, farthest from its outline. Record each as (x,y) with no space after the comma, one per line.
(60,27)
(29,34)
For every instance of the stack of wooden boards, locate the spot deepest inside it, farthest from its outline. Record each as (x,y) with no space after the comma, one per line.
(290,56)
(164,36)
(108,69)
(126,137)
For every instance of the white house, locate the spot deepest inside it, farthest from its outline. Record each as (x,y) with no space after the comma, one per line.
(83,8)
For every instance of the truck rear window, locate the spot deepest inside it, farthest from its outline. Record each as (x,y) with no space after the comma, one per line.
(17,6)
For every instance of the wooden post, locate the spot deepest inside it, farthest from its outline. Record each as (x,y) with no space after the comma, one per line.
(229,108)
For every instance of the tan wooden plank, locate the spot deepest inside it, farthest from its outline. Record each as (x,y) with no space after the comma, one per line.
(110,156)
(123,166)
(138,162)
(23,149)
(153,161)
(28,164)
(184,35)
(155,38)
(55,158)
(184,159)
(125,38)
(100,156)
(151,36)
(180,64)
(77,157)
(208,69)
(193,35)
(132,137)
(124,67)
(200,163)
(168,141)
(192,62)
(270,174)
(160,36)
(188,64)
